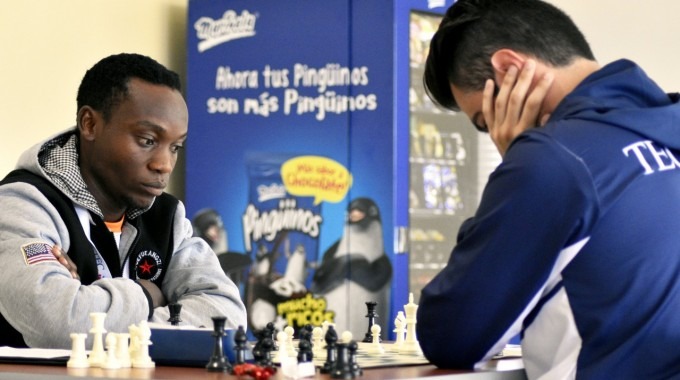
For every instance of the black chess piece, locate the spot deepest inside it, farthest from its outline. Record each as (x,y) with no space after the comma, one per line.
(342,368)
(240,347)
(308,328)
(175,310)
(218,362)
(266,348)
(305,333)
(305,353)
(258,353)
(270,331)
(331,339)
(352,348)
(371,315)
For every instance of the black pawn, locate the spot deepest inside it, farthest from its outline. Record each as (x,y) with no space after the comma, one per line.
(175,310)
(305,354)
(352,348)
(240,345)
(309,328)
(331,338)
(270,331)
(266,348)
(305,333)
(342,368)
(371,315)
(257,348)
(218,362)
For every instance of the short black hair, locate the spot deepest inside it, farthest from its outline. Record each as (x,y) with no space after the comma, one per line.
(472,30)
(106,83)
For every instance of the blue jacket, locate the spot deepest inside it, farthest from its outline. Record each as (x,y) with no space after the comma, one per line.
(575,245)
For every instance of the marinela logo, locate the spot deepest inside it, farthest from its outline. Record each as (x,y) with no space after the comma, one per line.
(148,265)
(231,26)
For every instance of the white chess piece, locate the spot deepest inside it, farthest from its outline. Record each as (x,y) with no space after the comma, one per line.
(399,329)
(78,357)
(411,344)
(346,336)
(317,341)
(111,359)
(282,342)
(142,358)
(123,350)
(134,341)
(97,354)
(375,348)
(290,331)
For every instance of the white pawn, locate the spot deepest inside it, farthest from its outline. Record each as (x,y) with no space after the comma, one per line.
(346,336)
(97,354)
(123,350)
(317,341)
(142,358)
(290,331)
(399,328)
(375,347)
(111,360)
(134,341)
(282,342)
(78,357)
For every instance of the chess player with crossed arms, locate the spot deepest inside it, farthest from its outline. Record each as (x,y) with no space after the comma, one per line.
(86,226)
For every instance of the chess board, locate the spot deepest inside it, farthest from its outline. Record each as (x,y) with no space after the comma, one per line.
(391,358)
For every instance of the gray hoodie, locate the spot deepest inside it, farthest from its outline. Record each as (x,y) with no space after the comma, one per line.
(40,299)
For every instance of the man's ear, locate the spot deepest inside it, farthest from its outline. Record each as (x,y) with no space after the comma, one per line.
(502,60)
(87,119)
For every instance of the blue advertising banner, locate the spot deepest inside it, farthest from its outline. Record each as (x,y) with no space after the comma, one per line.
(292,154)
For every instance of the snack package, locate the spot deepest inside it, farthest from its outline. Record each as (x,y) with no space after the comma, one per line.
(281,233)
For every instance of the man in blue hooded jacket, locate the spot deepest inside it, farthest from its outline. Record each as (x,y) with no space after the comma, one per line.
(575,244)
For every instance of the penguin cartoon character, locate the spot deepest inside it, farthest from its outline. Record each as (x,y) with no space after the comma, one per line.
(356,270)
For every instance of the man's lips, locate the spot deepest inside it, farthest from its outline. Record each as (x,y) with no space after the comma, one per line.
(155,188)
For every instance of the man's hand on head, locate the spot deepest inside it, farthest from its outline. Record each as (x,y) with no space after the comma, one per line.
(515,108)
(64,260)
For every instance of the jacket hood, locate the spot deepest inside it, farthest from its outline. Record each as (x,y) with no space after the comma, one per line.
(622,95)
(29,159)
(56,160)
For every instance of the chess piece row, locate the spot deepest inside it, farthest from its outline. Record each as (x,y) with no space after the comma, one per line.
(405,329)
(118,353)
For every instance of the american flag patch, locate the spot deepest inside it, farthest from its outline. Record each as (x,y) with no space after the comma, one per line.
(35,253)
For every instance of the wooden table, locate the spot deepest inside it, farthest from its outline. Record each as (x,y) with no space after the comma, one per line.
(506,369)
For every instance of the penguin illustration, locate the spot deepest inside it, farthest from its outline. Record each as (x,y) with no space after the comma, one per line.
(356,270)
(293,280)
(260,299)
(296,270)
(207,224)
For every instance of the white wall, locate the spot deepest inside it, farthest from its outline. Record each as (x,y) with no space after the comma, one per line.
(46,46)
(644,31)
